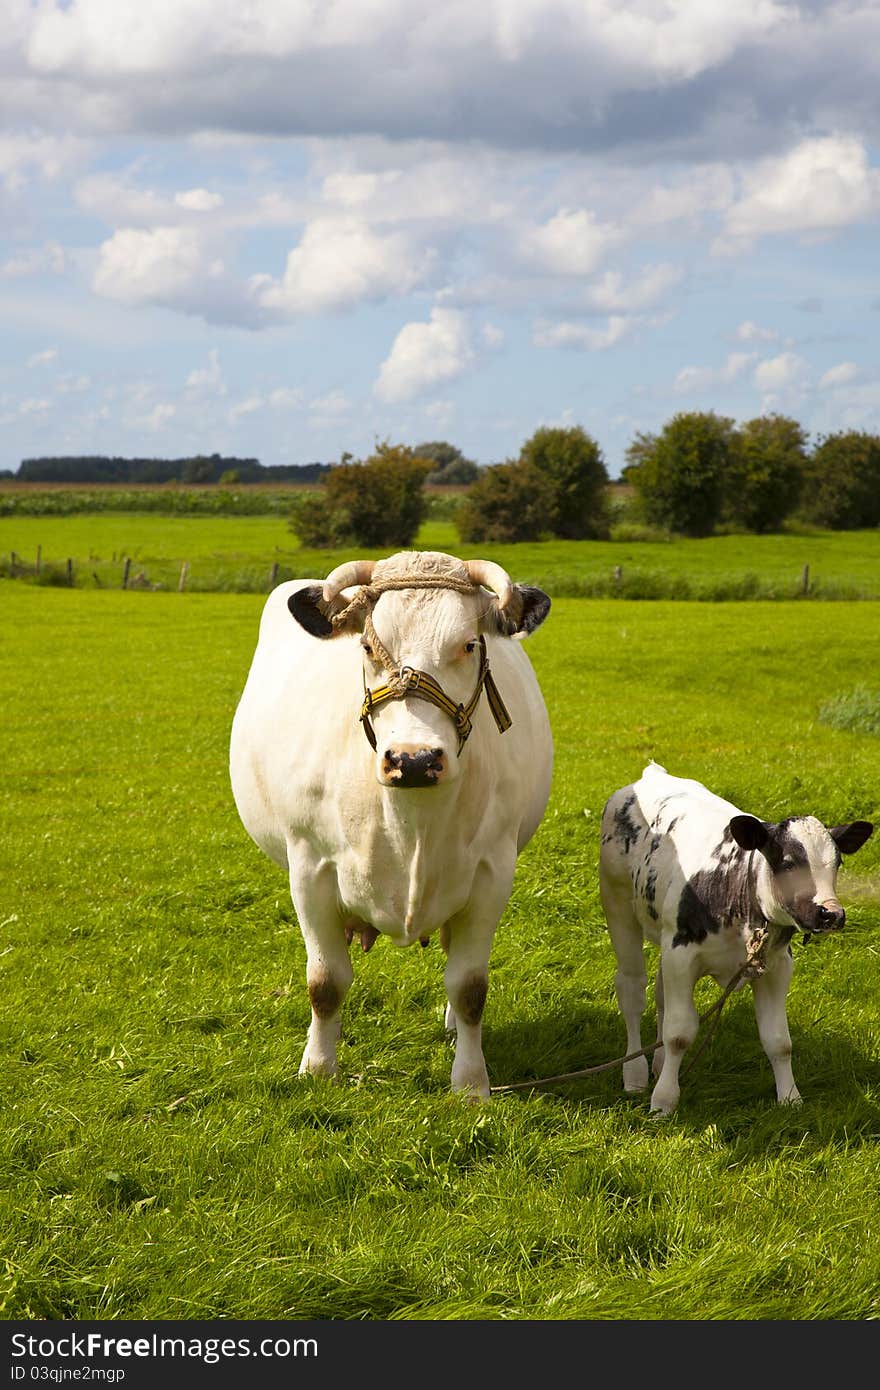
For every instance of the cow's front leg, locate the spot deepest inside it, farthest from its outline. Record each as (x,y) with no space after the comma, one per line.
(328,964)
(680,1024)
(466,978)
(769,992)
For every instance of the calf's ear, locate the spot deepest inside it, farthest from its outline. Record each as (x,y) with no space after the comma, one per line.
(749,832)
(849,838)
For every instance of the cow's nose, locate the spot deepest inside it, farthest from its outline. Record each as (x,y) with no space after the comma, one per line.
(422,768)
(831,916)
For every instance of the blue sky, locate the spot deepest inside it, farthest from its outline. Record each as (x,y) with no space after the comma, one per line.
(287,229)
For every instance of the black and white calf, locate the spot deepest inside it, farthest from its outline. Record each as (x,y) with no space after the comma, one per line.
(691,873)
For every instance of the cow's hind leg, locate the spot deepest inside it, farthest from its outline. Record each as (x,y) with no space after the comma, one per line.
(769,991)
(328,963)
(630,977)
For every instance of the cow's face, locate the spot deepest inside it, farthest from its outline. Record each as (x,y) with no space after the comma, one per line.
(803,857)
(434,631)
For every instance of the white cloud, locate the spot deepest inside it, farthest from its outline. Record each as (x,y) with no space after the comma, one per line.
(248,406)
(566,334)
(198,200)
(36,260)
(821,185)
(340,262)
(570,244)
(749,332)
(694,380)
(42,359)
(611,295)
(137,267)
(34,405)
(210,378)
(159,416)
(840,375)
(286,398)
(778,373)
(27,157)
(424,355)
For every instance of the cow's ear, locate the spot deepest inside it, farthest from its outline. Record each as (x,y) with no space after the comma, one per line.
(311,612)
(849,838)
(749,832)
(524,612)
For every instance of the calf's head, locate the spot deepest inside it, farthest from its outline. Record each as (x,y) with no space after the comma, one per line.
(803,857)
(418,614)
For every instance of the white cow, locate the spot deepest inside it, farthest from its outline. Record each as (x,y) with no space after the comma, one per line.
(689,872)
(391,751)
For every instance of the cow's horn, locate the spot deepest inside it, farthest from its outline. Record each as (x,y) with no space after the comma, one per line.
(486,572)
(352,572)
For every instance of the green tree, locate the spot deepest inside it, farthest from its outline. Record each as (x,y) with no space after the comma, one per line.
(765,473)
(842,481)
(508,502)
(572,462)
(197,470)
(377,503)
(450,467)
(679,473)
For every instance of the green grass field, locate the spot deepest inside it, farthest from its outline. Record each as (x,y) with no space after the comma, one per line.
(160,1158)
(238,552)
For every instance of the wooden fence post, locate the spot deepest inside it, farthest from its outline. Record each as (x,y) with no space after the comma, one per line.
(805,580)
(273,577)
(13,562)
(618,573)
(70,571)
(39,558)
(125,572)
(182,582)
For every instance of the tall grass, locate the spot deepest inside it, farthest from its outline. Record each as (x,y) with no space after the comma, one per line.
(160,1158)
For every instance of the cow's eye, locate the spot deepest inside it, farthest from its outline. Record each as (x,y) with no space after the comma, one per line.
(367,648)
(470,646)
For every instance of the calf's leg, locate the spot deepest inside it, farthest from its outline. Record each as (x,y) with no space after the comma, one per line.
(769,992)
(630,977)
(680,1023)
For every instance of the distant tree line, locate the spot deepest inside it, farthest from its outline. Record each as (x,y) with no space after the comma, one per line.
(703,471)
(200,468)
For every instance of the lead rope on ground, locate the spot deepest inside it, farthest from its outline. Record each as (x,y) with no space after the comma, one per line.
(753,965)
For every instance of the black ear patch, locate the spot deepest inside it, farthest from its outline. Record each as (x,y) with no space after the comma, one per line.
(527,609)
(849,838)
(536,606)
(308,607)
(749,832)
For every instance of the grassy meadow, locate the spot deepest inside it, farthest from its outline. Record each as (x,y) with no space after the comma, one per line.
(159,1157)
(237,553)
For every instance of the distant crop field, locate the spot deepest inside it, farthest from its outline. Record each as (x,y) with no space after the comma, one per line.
(159,1157)
(241,553)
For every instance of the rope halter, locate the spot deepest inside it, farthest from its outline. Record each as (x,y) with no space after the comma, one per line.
(406,681)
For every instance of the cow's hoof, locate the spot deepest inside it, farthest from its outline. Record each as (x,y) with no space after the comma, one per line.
(472,1086)
(324,1067)
(793,1098)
